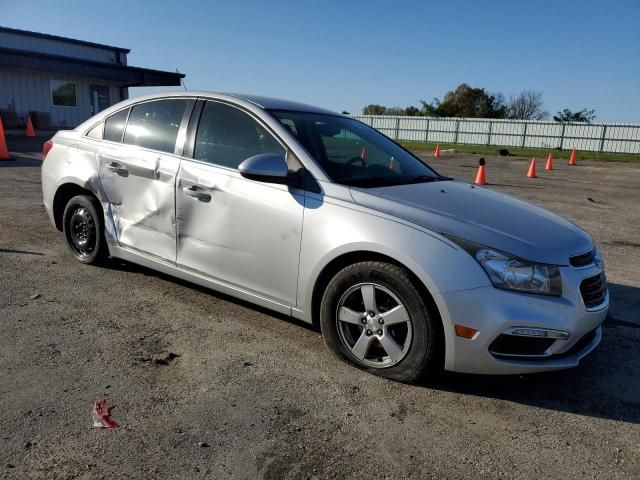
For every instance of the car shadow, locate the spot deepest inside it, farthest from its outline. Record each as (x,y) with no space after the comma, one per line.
(21,252)
(126,266)
(22,160)
(605,385)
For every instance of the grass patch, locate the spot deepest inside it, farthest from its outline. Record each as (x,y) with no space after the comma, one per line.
(422,147)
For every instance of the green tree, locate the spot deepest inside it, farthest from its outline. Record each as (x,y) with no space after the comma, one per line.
(584,115)
(394,111)
(374,109)
(412,111)
(466,101)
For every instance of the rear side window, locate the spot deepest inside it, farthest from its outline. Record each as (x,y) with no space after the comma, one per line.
(114,126)
(227,136)
(96,132)
(155,124)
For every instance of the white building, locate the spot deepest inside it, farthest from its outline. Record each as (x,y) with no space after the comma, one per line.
(61,82)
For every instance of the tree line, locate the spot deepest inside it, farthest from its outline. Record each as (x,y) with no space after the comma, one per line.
(469,102)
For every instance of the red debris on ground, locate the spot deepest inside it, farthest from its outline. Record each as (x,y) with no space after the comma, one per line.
(101,415)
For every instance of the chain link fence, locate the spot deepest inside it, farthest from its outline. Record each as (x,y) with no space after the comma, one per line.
(594,137)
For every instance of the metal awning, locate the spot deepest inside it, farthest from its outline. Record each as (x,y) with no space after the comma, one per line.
(127,75)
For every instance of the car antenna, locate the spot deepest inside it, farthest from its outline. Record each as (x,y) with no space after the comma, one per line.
(182,81)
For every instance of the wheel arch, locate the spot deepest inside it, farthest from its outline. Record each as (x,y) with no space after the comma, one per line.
(65,192)
(349,258)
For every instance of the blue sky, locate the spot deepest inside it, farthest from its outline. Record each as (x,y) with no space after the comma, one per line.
(345,54)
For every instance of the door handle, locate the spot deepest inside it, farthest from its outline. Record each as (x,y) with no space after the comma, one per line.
(116,168)
(196,192)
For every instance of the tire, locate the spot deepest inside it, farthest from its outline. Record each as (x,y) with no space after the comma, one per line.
(83,228)
(406,347)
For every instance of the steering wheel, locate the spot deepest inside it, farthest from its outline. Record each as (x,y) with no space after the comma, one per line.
(354,160)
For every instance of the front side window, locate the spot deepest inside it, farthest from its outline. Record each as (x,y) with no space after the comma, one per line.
(155,124)
(352,153)
(114,126)
(63,93)
(227,136)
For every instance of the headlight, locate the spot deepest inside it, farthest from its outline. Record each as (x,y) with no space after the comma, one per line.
(512,273)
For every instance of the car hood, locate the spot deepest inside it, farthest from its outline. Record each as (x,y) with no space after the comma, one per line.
(482,216)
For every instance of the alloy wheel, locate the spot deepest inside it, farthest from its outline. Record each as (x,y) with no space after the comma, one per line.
(374,325)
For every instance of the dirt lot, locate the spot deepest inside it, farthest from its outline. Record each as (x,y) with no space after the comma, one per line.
(261,391)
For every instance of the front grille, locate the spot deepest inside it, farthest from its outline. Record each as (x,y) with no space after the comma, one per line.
(583,259)
(594,290)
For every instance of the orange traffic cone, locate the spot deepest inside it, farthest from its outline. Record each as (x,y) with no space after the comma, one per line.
(572,158)
(481,178)
(532,169)
(437,152)
(363,153)
(549,165)
(4,151)
(30,130)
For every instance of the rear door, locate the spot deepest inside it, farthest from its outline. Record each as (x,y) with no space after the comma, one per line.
(242,232)
(138,167)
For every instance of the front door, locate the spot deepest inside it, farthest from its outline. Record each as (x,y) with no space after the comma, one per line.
(139,174)
(242,232)
(99,97)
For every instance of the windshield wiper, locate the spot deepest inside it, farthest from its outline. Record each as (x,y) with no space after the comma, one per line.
(369,182)
(427,178)
(373,182)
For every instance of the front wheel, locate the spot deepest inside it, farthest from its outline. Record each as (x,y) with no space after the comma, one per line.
(82,224)
(373,315)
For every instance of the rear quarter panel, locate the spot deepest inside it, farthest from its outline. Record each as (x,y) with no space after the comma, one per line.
(72,159)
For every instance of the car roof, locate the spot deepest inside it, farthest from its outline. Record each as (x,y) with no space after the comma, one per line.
(266,103)
(270,103)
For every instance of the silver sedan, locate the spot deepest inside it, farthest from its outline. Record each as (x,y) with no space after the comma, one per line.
(318,216)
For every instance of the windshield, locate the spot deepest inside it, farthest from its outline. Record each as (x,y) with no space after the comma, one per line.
(354,154)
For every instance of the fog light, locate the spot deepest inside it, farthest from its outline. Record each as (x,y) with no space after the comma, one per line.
(537,332)
(466,332)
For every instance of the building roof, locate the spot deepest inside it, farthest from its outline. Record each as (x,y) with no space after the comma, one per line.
(62,39)
(129,76)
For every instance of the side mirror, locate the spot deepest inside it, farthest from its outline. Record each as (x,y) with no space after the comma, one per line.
(266,167)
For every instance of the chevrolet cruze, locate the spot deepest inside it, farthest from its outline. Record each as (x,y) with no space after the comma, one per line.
(318,216)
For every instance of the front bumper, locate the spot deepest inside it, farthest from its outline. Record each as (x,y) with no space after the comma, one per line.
(492,312)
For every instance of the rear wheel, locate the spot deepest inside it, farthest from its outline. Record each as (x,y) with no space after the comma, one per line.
(373,315)
(83,229)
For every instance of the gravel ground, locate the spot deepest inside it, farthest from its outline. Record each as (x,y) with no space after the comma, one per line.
(256,395)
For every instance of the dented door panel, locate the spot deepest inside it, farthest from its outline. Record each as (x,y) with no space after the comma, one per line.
(242,232)
(140,187)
